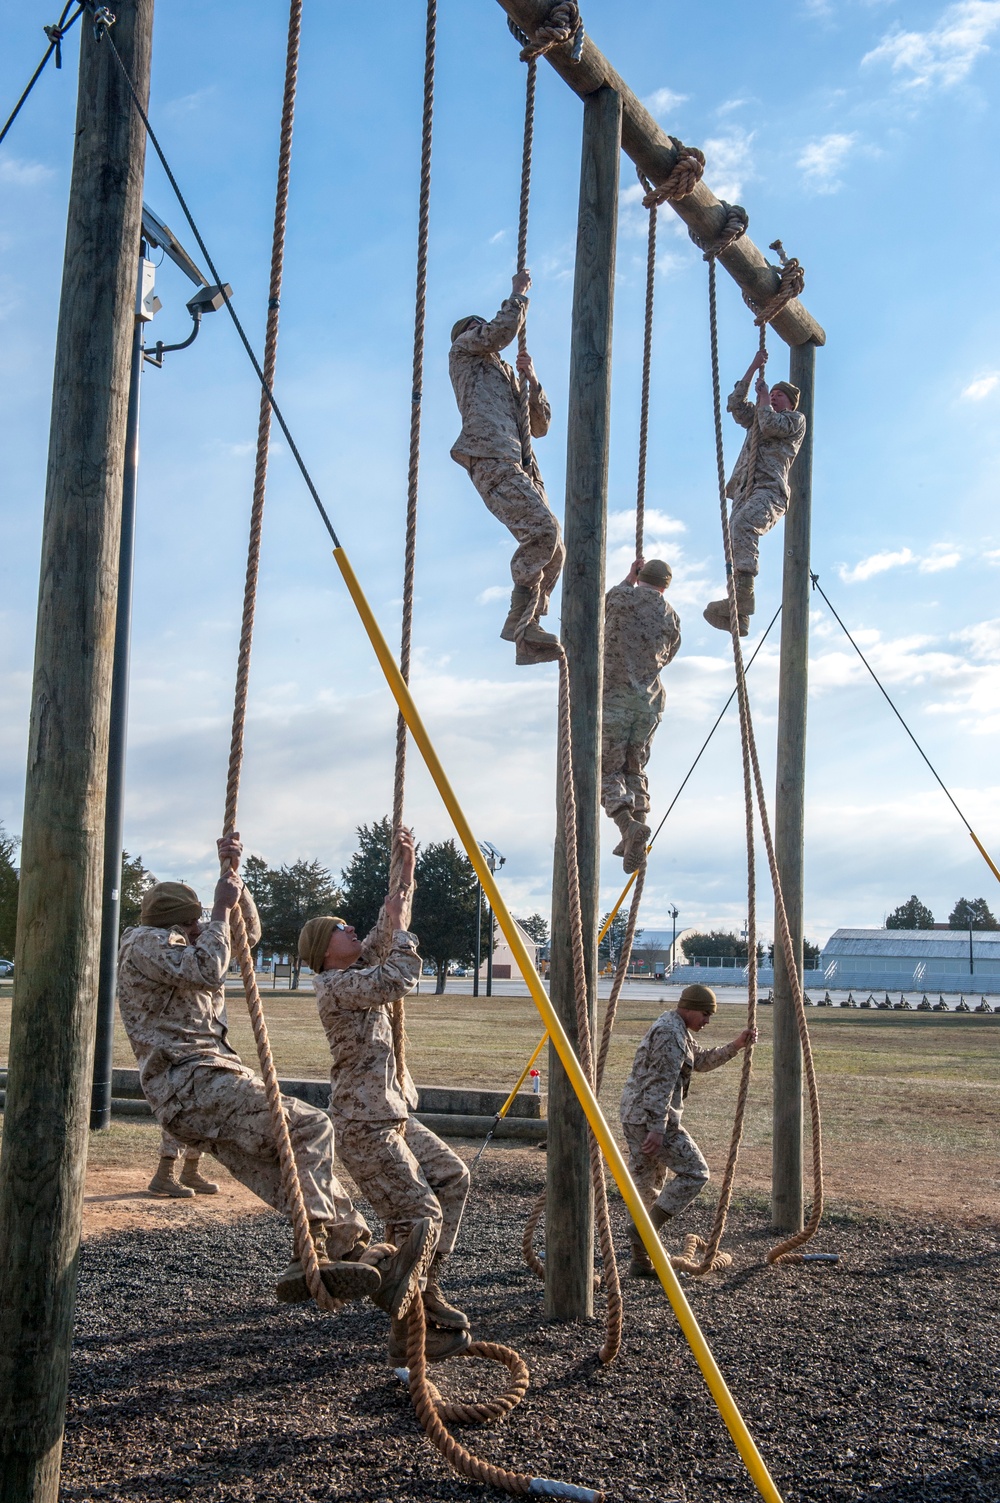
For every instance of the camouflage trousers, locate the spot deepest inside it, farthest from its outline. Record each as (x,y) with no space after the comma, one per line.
(405,1177)
(519,502)
(173,1148)
(748,522)
(680,1153)
(627,730)
(225,1113)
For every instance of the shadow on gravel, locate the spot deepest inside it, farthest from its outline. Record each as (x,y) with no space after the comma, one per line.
(957,1485)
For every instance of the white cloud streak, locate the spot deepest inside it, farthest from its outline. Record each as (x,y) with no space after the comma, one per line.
(977,390)
(664,101)
(945,54)
(941,556)
(821,161)
(729,163)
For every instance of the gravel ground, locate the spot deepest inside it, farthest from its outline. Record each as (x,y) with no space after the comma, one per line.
(876,1379)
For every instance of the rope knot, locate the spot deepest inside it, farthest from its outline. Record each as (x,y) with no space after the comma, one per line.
(791,283)
(684,176)
(562,24)
(734,226)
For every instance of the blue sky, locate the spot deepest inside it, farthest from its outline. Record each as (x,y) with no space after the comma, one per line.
(859,131)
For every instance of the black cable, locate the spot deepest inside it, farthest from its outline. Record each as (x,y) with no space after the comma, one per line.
(817,586)
(55,35)
(314,493)
(712,732)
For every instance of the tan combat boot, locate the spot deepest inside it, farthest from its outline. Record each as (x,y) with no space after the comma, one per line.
(519,598)
(439,1344)
(165,1186)
(401,1268)
(536,645)
(716,613)
(634,844)
(641,1266)
(745,602)
(439,1310)
(195,1181)
(346,1280)
(623,819)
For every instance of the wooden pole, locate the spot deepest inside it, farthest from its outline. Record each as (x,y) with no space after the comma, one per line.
(651,149)
(569,1216)
(789,811)
(59,921)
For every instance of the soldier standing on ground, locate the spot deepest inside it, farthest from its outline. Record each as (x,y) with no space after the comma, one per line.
(758,508)
(497,455)
(652,1103)
(403,1168)
(641,635)
(190,1182)
(171,991)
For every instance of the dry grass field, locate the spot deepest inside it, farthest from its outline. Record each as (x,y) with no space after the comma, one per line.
(911,1101)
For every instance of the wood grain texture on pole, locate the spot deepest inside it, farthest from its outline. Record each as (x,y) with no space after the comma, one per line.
(789,809)
(569,1216)
(62,856)
(649,146)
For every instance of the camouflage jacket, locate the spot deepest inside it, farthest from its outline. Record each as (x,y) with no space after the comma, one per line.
(171,995)
(655,1091)
(486,390)
(642,633)
(355,1008)
(781,435)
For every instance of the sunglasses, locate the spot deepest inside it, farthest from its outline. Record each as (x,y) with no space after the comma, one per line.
(340,926)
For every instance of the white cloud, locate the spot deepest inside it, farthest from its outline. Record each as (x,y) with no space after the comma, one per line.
(982,386)
(19,174)
(876,563)
(664,101)
(495,239)
(943,558)
(946,52)
(491,593)
(730,105)
(822,160)
(939,557)
(188,104)
(728,163)
(621,525)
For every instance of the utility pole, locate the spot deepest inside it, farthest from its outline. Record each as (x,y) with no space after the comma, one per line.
(52,1024)
(789,809)
(569,1216)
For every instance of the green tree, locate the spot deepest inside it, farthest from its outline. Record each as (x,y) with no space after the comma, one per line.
(365,878)
(611,945)
(537,927)
(444,907)
(286,896)
(136,882)
(910,915)
(717,944)
(810,951)
(971,913)
(8,893)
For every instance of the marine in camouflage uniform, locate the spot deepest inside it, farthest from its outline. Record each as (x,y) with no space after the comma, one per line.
(492,447)
(641,636)
(755,510)
(651,1107)
(171,993)
(404,1169)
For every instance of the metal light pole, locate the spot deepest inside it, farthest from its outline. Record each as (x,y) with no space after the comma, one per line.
(494,860)
(147,304)
(673,910)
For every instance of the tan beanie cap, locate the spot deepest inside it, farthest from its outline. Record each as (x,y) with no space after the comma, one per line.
(314,939)
(463,324)
(698,998)
(655,572)
(170,903)
(791,392)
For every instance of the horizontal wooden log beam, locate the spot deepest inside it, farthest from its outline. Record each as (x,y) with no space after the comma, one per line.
(650,148)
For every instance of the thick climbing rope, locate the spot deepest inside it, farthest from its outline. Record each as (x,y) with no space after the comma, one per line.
(412,489)
(304,1245)
(784,1251)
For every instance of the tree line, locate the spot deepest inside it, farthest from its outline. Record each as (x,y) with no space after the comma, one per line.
(968,913)
(444,908)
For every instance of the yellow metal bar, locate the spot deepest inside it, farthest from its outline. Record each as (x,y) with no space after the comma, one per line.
(724,1400)
(522,1077)
(985,854)
(614,912)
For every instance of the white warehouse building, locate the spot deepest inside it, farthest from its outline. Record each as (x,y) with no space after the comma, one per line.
(925,960)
